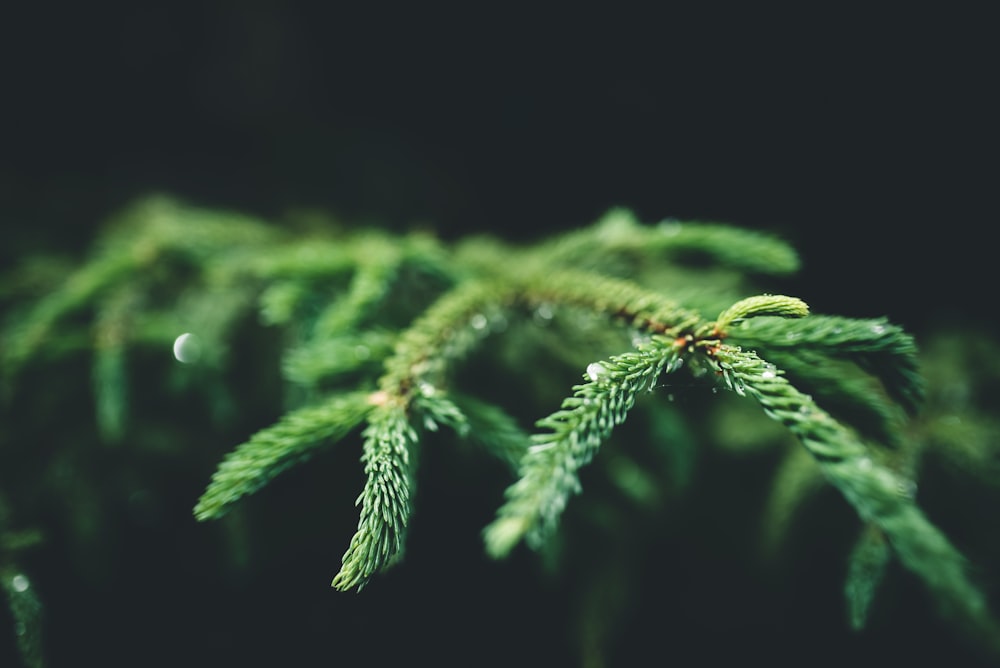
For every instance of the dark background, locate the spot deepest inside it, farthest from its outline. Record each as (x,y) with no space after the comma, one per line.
(865,138)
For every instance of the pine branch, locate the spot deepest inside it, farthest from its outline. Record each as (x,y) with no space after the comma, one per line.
(356,311)
(844,390)
(877,494)
(378,266)
(548,472)
(883,349)
(390,458)
(328,359)
(623,301)
(619,232)
(797,478)
(493,429)
(867,565)
(273,450)
(80,290)
(109,374)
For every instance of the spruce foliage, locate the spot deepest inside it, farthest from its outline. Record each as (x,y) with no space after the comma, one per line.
(376,330)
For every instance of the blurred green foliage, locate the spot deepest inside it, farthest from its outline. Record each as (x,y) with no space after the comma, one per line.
(130,373)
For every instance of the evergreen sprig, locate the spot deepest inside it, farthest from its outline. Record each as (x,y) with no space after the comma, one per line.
(389,458)
(373,330)
(548,472)
(877,346)
(880,495)
(274,449)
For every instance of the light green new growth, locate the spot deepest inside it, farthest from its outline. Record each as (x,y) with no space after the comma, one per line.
(777,305)
(374,331)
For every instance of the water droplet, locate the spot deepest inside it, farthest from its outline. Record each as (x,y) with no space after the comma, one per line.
(878,329)
(792,336)
(478,321)
(670,397)
(767,373)
(543,314)
(865,464)
(187,348)
(427,390)
(362,352)
(20,582)
(640,338)
(596,370)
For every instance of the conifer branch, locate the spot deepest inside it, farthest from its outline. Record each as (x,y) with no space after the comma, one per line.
(389,458)
(270,451)
(844,389)
(79,291)
(548,471)
(323,359)
(866,568)
(493,429)
(310,260)
(377,268)
(877,494)
(881,348)
(618,232)
(628,303)
(376,326)
(446,332)
(798,477)
(109,374)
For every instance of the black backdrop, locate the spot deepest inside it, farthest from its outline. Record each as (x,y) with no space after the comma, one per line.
(864,137)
